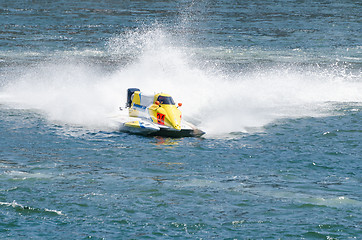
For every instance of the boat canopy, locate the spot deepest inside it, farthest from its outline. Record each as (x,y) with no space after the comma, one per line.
(146,100)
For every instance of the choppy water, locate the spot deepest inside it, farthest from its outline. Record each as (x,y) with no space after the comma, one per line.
(276,85)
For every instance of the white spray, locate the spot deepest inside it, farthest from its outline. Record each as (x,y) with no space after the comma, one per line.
(69,92)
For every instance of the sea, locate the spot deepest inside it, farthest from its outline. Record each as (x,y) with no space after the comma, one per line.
(276,85)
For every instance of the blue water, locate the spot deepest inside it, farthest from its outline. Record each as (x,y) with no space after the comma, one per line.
(276,86)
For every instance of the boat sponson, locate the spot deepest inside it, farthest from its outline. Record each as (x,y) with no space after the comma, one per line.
(177,134)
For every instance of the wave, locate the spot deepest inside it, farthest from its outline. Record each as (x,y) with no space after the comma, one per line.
(299,198)
(221,99)
(26,209)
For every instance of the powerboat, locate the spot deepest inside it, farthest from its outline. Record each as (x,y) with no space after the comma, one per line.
(156,114)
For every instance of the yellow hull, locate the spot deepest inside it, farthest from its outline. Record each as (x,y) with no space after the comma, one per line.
(156,115)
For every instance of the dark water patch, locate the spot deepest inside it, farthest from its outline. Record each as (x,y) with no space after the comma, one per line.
(315,235)
(310,205)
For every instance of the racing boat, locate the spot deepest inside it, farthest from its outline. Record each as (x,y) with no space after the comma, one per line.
(156,115)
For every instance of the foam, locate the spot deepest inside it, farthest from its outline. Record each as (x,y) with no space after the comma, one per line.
(20,175)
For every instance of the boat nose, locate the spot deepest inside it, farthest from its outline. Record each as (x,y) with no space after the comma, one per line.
(173,117)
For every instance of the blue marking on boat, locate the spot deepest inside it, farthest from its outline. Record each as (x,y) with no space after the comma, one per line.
(139,106)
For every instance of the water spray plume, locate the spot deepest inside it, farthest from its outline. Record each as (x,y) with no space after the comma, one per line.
(220,101)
